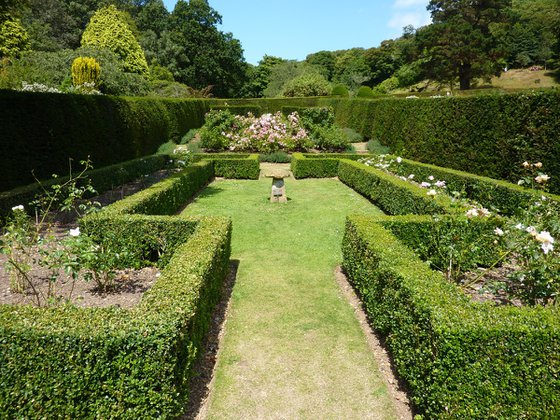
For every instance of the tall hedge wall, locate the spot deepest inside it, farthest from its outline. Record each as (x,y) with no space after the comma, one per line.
(488,135)
(41,131)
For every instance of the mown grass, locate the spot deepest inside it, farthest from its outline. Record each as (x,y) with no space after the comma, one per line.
(292,346)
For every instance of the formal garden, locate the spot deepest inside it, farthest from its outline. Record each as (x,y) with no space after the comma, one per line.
(446,228)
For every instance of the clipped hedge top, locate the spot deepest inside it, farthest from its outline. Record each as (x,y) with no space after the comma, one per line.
(431,292)
(158,309)
(439,204)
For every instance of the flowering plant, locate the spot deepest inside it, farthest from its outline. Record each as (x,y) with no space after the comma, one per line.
(267,134)
(29,243)
(527,241)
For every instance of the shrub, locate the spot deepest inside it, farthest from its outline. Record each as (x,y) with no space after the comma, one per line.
(376,148)
(111,362)
(275,157)
(311,84)
(340,90)
(216,123)
(365,92)
(330,139)
(75,126)
(14,40)
(391,194)
(387,85)
(189,136)
(321,167)
(460,359)
(86,71)
(102,179)
(353,136)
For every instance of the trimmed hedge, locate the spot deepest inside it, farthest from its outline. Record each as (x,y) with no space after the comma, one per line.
(313,168)
(102,180)
(115,363)
(460,359)
(505,197)
(233,165)
(489,135)
(166,197)
(41,131)
(393,195)
(239,109)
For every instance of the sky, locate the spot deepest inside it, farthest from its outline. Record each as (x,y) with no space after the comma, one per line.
(292,29)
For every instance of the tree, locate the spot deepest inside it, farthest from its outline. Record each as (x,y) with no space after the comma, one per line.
(13,38)
(259,76)
(310,84)
(108,29)
(351,69)
(209,57)
(325,60)
(461,43)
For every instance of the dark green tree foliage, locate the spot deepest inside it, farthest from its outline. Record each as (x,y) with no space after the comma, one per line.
(351,69)
(259,76)
(532,38)
(461,42)
(210,57)
(325,60)
(153,16)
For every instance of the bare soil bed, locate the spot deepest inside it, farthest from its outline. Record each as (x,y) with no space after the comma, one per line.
(129,284)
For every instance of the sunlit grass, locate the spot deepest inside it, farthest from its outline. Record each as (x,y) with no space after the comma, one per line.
(292,345)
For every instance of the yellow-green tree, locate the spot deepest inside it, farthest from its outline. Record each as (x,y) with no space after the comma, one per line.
(86,70)
(13,37)
(108,29)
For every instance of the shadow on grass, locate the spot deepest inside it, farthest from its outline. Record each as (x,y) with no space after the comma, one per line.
(203,370)
(555,74)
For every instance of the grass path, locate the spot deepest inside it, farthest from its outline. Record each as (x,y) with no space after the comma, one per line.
(292,345)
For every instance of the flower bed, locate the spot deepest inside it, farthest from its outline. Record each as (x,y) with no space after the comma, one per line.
(111,362)
(460,359)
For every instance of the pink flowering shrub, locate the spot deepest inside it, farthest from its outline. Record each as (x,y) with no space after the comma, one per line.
(267,133)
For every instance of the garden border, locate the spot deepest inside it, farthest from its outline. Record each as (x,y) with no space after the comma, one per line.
(458,357)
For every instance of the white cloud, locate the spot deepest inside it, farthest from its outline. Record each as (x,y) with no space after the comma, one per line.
(403,4)
(416,19)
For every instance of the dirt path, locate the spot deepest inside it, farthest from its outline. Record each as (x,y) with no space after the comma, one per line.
(292,346)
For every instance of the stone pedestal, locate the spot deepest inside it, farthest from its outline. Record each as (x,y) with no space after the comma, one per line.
(278,190)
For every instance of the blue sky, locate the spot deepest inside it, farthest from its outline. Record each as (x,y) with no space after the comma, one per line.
(292,29)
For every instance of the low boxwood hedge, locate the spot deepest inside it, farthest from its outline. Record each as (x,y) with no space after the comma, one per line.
(502,196)
(102,179)
(167,196)
(460,359)
(322,167)
(393,195)
(113,363)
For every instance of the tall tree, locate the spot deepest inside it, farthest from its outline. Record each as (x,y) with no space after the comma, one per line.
(210,57)
(108,29)
(461,42)
(259,76)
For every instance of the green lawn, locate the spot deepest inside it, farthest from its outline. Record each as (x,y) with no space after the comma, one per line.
(292,346)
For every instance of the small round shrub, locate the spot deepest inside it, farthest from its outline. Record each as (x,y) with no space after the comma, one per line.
(307,85)
(340,90)
(330,139)
(353,136)
(365,92)
(387,85)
